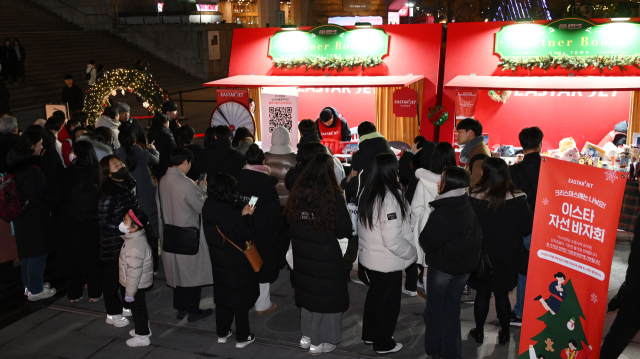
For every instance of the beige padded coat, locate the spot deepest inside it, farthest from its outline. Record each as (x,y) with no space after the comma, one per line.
(136,263)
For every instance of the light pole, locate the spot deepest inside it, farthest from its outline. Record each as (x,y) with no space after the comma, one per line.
(410,6)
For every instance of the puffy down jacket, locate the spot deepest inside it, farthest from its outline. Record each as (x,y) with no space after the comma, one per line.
(136,263)
(111,210)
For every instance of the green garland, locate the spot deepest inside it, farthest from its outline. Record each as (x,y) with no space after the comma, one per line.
(120,80)
(566,62)
(329,63)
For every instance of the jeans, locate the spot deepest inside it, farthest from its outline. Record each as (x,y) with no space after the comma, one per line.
(442,336)
(32,269)
(522,285)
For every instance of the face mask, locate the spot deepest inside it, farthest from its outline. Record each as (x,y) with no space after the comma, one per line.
(123,228)
(72,157)
(120,174)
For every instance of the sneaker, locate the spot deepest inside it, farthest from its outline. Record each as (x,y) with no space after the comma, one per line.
(117,320)
(204,313)
(45,285)
(223,340)
(139,341)
(409,293)
(322,348)
(466,290)
(273,307)
(95,300)
(46,293)
(126,312)
(76,300)
(305,342)
(366,342)
(132,332)
(422,286)
(515,320)
(394,350)
(242,345)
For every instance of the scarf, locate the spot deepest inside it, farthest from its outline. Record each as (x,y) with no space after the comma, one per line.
(370,136)
(258,168)
(466,151)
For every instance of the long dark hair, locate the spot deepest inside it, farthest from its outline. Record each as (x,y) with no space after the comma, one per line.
(106,183)
(241,134)
(315,192)
(85,155)
(383,178)
(454,178)
(495,183)
(209,137)
(443,156)
(127,139)
(146,226)
(27,140)
(223,188)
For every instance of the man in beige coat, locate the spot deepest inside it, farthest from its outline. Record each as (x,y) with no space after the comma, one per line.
(470,135)
(181,201)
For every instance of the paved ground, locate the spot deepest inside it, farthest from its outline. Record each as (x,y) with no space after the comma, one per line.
(63,330)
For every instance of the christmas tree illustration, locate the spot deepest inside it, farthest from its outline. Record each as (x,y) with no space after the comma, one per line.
(560,328)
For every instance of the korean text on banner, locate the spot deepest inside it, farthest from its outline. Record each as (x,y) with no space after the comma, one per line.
(278,107)
(466,101)
(574,235)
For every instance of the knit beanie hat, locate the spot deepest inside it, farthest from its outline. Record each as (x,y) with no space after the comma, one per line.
(280,141)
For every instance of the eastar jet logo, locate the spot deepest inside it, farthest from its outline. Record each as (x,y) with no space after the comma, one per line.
(565,93)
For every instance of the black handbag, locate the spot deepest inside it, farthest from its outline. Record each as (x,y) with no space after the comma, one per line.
(484,270)
(179,240)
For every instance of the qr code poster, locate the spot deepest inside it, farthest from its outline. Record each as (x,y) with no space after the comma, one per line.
(279,109)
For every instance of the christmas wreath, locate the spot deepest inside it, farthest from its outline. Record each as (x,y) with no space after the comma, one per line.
(499,95)
(574,63)
(133,81)
(438,115)
(329,63)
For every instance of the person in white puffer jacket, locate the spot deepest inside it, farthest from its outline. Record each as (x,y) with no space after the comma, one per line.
(136,271)
(110,119)
(386,249)
(443,156)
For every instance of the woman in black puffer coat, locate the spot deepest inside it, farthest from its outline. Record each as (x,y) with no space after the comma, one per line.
(116,198)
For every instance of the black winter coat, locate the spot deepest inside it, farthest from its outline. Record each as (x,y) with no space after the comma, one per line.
(292,176)
(629,312)
(525,176)
(33,229)
(112,209)
(51,165)
(502,234)
(164,143)
(318,275)
(220,157)
(74,96)
(135,126)
(362,161)
(7,142)
(452,237)
(196,149)
(269,224)
(79,241)
(235,284)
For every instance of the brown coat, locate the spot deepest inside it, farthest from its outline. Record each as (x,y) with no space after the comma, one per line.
(476,171)
(280,165)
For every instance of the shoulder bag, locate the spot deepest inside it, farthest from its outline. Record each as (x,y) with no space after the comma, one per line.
(484,270)
(251,252)
(179,240)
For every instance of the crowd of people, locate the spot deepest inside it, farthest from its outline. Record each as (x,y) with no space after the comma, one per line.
(112,202)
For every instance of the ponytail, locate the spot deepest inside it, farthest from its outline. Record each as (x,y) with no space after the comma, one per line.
(148,230)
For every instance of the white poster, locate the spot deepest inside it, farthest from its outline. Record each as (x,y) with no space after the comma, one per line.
(278,107)
(50,108)
(214,45)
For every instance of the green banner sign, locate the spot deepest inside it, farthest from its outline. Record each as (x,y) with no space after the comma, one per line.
(571,37)
(329,41)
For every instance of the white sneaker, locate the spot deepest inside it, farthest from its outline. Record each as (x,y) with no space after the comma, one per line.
(305,342)
(223,340)
(422,286)
(322,348)
(132,332)
(126,312)
(45,285)
(242,345)
(46,293)
(139,341)
(409,293)
(117,320)
(394,350)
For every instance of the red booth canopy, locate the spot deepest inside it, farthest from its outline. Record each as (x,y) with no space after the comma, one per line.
(532,83)
(315,81)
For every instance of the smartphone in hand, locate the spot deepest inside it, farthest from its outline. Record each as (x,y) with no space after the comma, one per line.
(202,176)
(252,201)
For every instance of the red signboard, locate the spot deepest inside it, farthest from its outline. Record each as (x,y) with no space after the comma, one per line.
(574,236)
(466,102)
(241,96)
(404,11)
(405,102)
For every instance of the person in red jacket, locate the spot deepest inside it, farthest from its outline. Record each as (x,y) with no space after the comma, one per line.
(572,351)
(65,139)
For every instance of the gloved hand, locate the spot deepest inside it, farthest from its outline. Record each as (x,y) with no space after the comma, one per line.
(128,299)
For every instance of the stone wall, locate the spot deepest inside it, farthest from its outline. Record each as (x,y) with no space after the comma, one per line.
(89,14)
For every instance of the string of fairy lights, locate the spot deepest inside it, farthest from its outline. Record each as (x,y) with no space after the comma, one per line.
(122,80)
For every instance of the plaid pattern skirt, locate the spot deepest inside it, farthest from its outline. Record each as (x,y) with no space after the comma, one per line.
(630,206)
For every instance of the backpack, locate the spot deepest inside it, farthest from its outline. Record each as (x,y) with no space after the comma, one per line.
(87,74)
(83,201)
(10,205)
